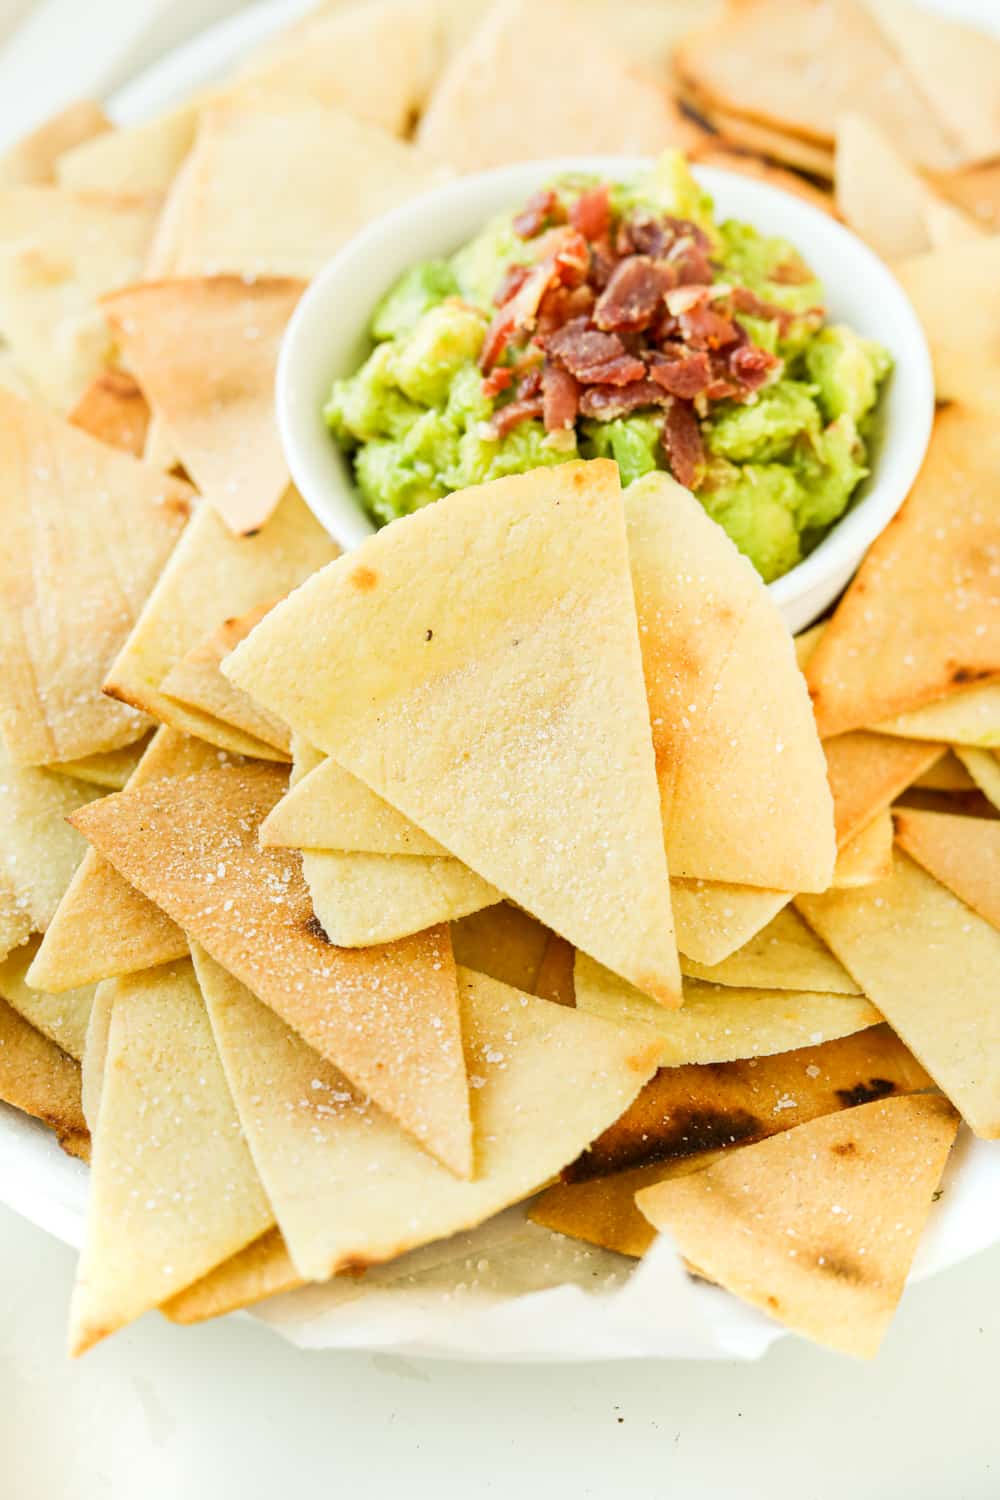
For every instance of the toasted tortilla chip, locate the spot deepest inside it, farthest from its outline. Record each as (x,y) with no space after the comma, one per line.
(930,964)
(365,1007)
(956,294)
(196,680)
(15,920)
(103,926)
(800,65)
(35,158)
(759,1221)
(868,772)
(721,1023)
(59,252)
(142,158)
(173,1188)
(97,528)
(945,775)
(501,99)
(976,191)
(114,410)
(742,778)
(602,1211)
(948,225)
(750,135)
(38,849)
(328,808)
(502,942)
(95,1052)
(714,919)
(880,195)
(784,955)
(525,637)
(922,617)
(971,717)
(736,158)
(63,1018)
(984,768)
(39,1078)
(364,899)
(206,353)
(261,1270)
(109,768)
(554,980)
(867,856)
(962,853)
(349,1189)
(686,1111)
(211,577)
(322,173)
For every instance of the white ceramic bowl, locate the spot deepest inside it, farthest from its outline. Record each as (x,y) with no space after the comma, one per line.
(328,338)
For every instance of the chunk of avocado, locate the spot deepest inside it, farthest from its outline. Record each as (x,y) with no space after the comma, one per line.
(847,370)
(425,361)
(417,290)
(761,430)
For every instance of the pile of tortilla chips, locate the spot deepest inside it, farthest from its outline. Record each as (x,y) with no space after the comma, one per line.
(519,854)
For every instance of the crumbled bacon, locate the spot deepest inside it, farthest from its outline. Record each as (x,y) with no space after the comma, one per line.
(561,305)
(704,328)
(560,397)
(746,301)
(634,294)
(505,418)
(680,371)
(498,380)
(752,365)
(682,443)
(542,208)
(591,213)
(593,357)
(608,401)
(512,281)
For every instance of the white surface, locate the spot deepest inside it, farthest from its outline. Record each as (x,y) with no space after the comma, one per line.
(328,336)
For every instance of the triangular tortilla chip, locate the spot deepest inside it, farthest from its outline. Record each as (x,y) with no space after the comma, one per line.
(503,943)
(930,964)
(733,157)
(501,100)
(35,158)
(792,151)
(15,920)
(971,717)
(722,1023)
(114,410)
(976,191)
(197,681)
(984,768)
(39,1078)
(784,955)
(817,1226)
(328,808)
(59,252)
(262,1270)
(389,1015)
(173,1188)
(948,225)
(956,295)
(38,849)
(554,980)
(63,1018)
(205,353)
(322,173)
(365,899)
(922,617)
(348,1188)
(109,768)
(522,669)
(602,1211)
(867,772)
(97,528)
(95,1052)
(742,778)
(880,195)
(714,919)
(867,856)
(945,775)
(141,158)
(211,577)
(962,853)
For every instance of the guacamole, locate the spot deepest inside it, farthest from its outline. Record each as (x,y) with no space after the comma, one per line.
(622,321)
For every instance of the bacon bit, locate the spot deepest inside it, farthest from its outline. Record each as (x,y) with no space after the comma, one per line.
(498,380)
(560,398)
(605,402)
(594,358)
(704,328)
(515,412)
(746,301)
(752,365)
(512,281)
(591,213)
(542,208)
(681,371)
(530,383)
(682,443)
(634,294)
(562,305)
(791,273)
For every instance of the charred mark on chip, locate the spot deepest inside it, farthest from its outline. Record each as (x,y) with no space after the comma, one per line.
(364,579)
(844,1148)
(965,675)
(314,927)
(683,1133)
(840,1266)
(866,1093)
(428,635)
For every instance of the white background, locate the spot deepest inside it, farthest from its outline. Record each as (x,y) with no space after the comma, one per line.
(230,1412)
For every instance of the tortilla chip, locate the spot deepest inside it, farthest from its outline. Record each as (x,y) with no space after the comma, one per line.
(962,853)
(328,808)
(98,528)
(197,681)
(114,410)
(868,772)
(363,1007)
(801,65)
(759,1221)
(880,195)
(95,1052)
(713,920)
(945,775)
(261,1270)
(525,637)
(211,577)
(930,964)
(971,717)
(365,899)
(103,926)
(948,225)
(984,768)
(735,158)
(349,1189)
(742,778)
(784,955)
(750,135)
(59,252)
(15,921)
(173,1188)
(554,980)
(502,942)
(602,1211)
(501,99)
(142,158)
(976,191)
(63,1018)
(867,857)
(722,1023)
(956,295)
(39,1078)
(109,768)
(206,354)
(38,849)
(322,173)
(35,157)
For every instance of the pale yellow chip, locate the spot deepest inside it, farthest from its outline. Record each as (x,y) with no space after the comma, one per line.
(108,768)
(141,158)
(502,942)
(205,352)
(956,294)
(63,1018)
(720,1023)
(930,964)
(742,778)
(880,195)
(41,1079)
(262,1269)
(506,715)
(97,528)
(95,1052)
(761,1221)
(784,955)
(365,899)
(750,135)
(349,1189)
(969,717)
(38,849)
(328,808)
(173,1188)
(867,857)
(114,410)
(984,768)
(713,919)
(36,157)
(211,577)
(962,853)
(15,919)
(197,682)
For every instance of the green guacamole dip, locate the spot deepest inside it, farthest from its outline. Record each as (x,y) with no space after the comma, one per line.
(774,444)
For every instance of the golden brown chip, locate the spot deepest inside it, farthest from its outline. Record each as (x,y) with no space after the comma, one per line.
(37,1077)
(602,1210)
(962,853)
(984,768)
(554,980)
(261,1270)
(196,680)
(867,856)
(868,772)
(114,410)
(716,152)
(503,942)
(63,1018)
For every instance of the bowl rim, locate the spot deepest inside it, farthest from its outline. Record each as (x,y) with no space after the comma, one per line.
(849,537)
